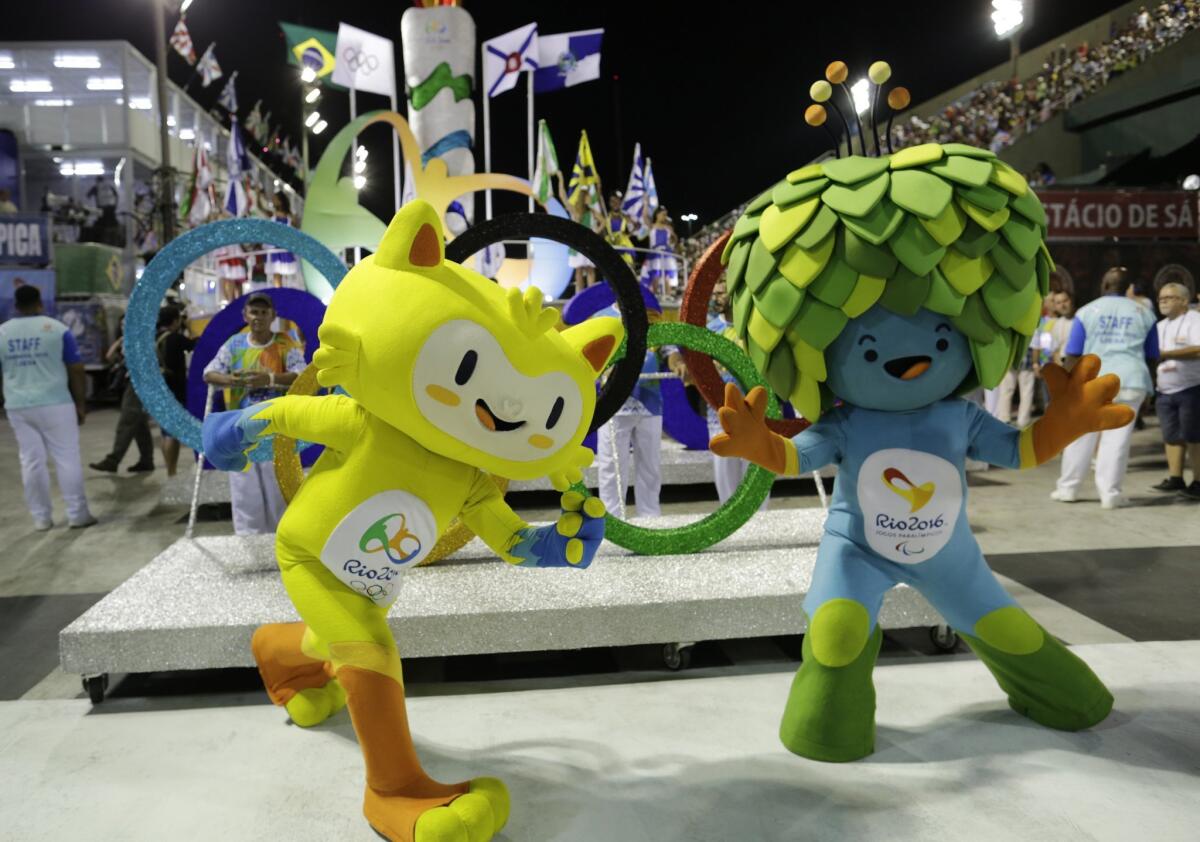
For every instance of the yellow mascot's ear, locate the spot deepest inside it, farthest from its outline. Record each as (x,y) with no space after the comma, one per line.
(413,240)
(596,340)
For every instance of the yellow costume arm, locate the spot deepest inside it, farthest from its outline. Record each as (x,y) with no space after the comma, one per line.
(488,516)
(335,421)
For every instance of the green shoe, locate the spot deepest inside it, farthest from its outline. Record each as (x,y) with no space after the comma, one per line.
(1051,686)
(830,713)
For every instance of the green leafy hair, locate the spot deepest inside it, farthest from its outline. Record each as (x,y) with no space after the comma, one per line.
(947,227)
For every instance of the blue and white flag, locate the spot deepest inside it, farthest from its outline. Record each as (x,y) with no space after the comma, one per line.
(208,68)
(651,192)
(237,164)
(634,202)
(228,98)
(567,59)
(508,55)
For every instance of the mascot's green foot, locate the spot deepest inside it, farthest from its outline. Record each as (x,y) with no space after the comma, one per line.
(313,706)
(1051,685)
(830,713)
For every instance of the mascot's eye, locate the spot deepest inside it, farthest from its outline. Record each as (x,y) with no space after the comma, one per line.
(871,355)
(943,344)
(556,412)
(466,368)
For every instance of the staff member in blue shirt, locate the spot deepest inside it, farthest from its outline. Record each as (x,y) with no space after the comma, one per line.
(44,391)
(1121,332)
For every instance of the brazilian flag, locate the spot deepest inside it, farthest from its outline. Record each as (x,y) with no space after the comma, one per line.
(315,48)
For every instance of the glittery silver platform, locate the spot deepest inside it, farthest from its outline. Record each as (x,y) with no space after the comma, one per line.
(197,603)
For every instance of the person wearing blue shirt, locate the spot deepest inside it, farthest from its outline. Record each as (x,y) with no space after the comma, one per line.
(1121,332)
(44,392)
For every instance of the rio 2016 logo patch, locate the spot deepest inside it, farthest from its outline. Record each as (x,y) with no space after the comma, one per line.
(377,541)
(910,503)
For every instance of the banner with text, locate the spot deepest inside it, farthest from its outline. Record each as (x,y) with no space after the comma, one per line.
(1133,214)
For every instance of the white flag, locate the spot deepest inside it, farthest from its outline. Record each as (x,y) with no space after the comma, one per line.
(208,68)
(651,192)
(365,61)
(506,56)
(547,165)
(567,59)
(634,201)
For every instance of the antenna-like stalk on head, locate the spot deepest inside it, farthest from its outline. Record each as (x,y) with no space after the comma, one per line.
(836,73)
(898,99)
(816,115)
(879,72)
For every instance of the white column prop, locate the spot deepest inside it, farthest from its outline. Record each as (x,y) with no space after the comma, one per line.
(429,38)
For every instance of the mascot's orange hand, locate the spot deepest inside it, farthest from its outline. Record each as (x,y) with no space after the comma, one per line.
(746,434)
(1080,402)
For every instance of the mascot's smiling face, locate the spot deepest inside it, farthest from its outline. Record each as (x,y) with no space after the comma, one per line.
(882,360)
(472,371)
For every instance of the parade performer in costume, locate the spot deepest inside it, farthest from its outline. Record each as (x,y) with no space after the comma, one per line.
(660,271)
(451,376)
(281,264)
(894,283)
(617,230)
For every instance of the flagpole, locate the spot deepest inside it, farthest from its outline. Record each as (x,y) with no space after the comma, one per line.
(529,73)
(395,158)
(487,143)
(354,152)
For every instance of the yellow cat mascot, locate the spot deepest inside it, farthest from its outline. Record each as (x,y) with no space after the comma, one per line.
(446,376)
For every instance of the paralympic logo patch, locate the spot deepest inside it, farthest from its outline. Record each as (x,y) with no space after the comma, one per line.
(918,496)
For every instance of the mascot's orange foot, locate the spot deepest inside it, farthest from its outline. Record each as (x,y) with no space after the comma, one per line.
(472,816)
(292,678)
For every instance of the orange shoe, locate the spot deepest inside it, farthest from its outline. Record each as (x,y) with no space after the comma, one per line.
(284,667)
(402,803)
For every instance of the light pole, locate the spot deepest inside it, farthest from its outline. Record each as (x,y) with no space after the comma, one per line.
(1009,19)
(166,181)
(689,218)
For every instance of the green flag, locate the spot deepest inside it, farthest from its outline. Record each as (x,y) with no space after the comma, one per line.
(547,165)
(308,47)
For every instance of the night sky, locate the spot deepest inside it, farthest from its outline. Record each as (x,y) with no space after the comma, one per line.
(714,92)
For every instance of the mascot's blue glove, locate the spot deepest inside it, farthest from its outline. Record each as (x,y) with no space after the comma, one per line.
(572,542)
(229,436)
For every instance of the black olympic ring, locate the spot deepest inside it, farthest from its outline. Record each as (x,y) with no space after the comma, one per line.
(354,58)
(609,265)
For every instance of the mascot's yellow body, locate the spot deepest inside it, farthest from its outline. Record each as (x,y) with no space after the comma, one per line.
(447,376)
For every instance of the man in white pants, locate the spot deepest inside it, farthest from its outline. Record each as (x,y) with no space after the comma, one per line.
(44,391)
(256,366)
(1122,334)
(727,472)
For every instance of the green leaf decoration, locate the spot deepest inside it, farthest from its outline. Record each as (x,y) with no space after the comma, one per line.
(801,266)
(1029,206)
(781,370)
(969,151)
(853,169)
(806,397)
(758,356)
(760,266)
(1028,323)
(1008,178)
(835,283)
(786,193)
(965,274)
(822,226)
(970,172)
(879,223)
(735,269)
(975,321)
(915,249)
(988,220)
(1016,272)
(943,298)
(1023,236)
(1044,267)
(865,258)
(975,241)
(804,173)
(808,359)
(779,301)
(743,303)
(916,156)
(777,227)
(866,293)
(765,198)
(818,324)
(745,227)
(947,226)
(1007,305)
(920,192)
(858,199)
(989,198)
(992,359)
(904,292)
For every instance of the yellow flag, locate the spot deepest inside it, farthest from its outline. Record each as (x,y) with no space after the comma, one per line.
(584,179)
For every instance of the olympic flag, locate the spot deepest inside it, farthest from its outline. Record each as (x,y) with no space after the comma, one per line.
(365,61)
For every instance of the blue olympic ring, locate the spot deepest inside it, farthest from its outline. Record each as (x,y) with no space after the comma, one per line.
(141,318)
